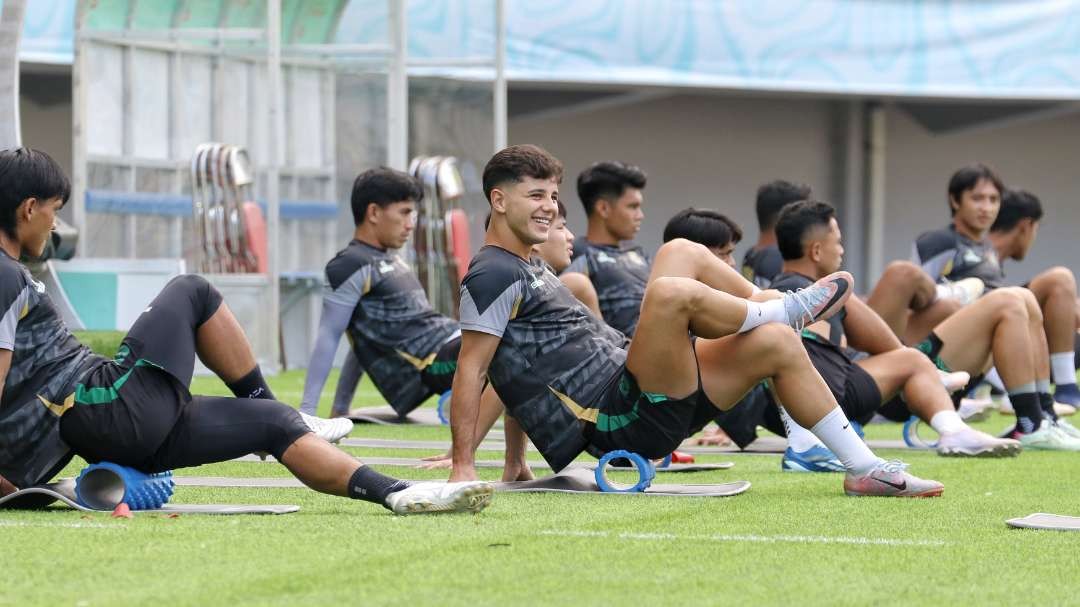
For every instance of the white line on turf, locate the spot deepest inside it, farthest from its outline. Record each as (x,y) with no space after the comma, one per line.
(55,524)
(796,539)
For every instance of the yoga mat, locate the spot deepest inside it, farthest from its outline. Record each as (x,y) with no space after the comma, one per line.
(580,480)
(63,491)
(1041,520)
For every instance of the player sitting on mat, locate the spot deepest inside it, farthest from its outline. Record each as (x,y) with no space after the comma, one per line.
(373,296)
(58,399)
(571,387)
(809,239)
(963,250)
(762,261)
(611,193)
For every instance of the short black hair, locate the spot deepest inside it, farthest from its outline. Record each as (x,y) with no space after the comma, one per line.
(1016,205)
(796,221)
(514,163)
(382,186)
(28,173)
(967,178)
(703,226)
(772,197)
(608,179)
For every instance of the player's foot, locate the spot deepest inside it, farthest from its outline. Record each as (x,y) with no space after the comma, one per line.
(954,381)
(975,409)
(972,443)
(965,291)
(1049,437)
(1067,428)
(815,459)
(890,479)
(818,301)
(330,430)
(1067,394)
(432,497)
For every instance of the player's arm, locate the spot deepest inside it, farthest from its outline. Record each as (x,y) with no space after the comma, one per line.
(5,365)
(933,253)
(351,372)
(332,324)
(582,288)
(866,330)
(477,350)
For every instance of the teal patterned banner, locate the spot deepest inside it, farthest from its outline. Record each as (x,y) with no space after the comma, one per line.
(965,48)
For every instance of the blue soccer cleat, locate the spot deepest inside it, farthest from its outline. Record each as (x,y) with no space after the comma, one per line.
(1067,394)
(815,459)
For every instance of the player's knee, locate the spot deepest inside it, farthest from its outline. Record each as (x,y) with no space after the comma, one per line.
(904,273)
(284,426)
(917,361)
(1061,280)
(203,295)
(682,249)
(669,293)
(779,339)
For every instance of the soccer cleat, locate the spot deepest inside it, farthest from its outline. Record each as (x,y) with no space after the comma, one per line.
(815,459)
(818,301)
(972,443)
(954,381)
(1066,428)
(975,409)
(890,479)
(433,497)
(966,290)
(1063,410)
(330,430)
(1049,437)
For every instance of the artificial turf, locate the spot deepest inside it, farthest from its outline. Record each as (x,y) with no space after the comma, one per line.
(792,539)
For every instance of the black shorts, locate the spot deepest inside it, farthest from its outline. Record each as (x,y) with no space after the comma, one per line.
(853,388)
(439,375)
(646,423)
(754,409)
(136,410)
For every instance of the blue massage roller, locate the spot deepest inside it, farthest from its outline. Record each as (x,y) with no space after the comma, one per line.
(443,409)
(911,435)
(645,468)
(105,485)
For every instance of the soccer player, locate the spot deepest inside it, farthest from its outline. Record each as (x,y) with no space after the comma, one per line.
(964,249)
(583,392)
(763,261)
(60,400)
(408,349)
(809,239)
(611,193)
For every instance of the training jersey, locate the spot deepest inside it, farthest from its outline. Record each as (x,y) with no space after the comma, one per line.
(792,281)
(761,266)
(46,362)
(946,254)
(554,360)
(393,331)
(619,275)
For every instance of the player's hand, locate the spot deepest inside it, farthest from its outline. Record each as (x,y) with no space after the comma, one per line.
(714,436)
(436,458)
(6,488)
(436,462)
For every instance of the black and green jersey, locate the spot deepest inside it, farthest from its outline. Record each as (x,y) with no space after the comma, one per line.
(761,266)
(619,275)
(46,363)
(393,329)
(554,360)
(946,254)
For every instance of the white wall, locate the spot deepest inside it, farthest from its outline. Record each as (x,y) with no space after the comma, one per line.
(698,150)
(1040,156)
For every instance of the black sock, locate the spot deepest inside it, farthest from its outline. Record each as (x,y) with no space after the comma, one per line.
(1047,403)
(370,486)
(1028,411)
(251,385)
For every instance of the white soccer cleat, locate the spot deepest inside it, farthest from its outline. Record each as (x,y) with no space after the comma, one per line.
(966,290)
(330,430)
(433,497)
(972,443)
(954,381)
(975,409)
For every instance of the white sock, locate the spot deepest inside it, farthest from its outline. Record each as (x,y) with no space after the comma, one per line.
(836,432)
(947,422)
(994,379)
(759,313)
(1063,367)
(799,439)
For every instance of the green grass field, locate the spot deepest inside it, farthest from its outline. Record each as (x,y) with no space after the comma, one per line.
(792,539)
